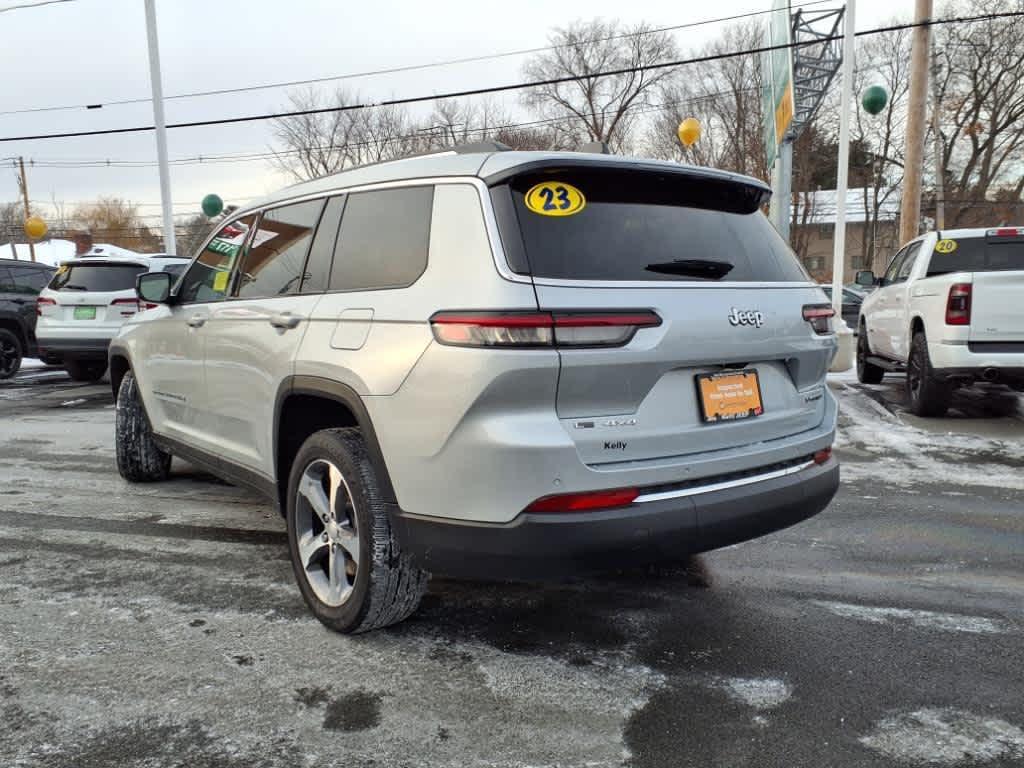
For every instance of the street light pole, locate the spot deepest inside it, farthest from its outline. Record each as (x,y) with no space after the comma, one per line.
(846,95)
(161,127)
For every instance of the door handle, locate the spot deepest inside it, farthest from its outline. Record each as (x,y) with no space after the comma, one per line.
(197,321)
(285,320)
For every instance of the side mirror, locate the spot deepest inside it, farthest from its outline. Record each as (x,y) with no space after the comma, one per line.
(154,287)
(866,278)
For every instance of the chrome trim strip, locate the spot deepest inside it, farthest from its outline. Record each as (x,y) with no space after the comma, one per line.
(694,491)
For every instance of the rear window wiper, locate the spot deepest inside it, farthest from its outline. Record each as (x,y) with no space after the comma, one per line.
(705,268)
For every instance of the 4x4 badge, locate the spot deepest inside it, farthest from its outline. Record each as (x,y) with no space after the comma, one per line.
(746,317)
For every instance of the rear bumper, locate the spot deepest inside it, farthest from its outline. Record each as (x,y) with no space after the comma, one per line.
(534,546)
(957,358)
(79,348)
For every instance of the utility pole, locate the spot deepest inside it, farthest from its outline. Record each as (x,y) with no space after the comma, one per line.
(910,206)
(940,167)
(170,246)
(23,185)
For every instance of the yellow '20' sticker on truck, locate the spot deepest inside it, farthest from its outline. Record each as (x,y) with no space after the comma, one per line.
(555,198)
(945,246)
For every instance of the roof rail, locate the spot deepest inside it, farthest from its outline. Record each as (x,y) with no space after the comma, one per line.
(480,146)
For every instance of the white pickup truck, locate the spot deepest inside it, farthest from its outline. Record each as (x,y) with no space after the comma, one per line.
(949,311)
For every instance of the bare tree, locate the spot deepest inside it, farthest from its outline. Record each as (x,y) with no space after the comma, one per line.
(116,221)
(725,96)
(981,93)
(314,145)
(592,106)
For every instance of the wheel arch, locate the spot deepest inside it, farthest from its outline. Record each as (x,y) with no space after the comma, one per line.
(17,327)
(119,366)
(916,326)
(307,404)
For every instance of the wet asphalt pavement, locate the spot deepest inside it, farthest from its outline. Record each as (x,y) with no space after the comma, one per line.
(159,625)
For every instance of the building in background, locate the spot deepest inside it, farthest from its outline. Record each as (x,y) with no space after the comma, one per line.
(871,231)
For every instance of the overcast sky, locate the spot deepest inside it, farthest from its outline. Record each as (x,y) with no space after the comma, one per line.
(94,51)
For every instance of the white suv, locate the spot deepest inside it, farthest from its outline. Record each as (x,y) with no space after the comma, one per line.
(490,363)
(86,303)
(949,312)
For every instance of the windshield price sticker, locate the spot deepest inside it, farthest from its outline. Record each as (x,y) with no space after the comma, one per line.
(945,246)
(555,198)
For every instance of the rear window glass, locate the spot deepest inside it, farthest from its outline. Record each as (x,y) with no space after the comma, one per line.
(977,254)
(99,278)
(640,225)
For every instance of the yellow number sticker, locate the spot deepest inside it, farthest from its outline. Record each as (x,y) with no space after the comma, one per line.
(945,246)
(220,282)
(555,198)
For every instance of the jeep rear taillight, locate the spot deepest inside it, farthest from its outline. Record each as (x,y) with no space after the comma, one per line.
(958,305)
(43,303)
(589,501)
(540,329)
(820,317)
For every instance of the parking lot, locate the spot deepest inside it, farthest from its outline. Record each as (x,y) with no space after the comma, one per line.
(160,625)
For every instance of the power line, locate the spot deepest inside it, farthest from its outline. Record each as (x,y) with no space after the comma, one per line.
(513,86)
(33,5)
(394,70)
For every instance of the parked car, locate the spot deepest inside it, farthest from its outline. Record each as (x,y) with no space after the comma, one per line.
(950,311)
(84,305)
(490,363)
(20,283)
(851,304)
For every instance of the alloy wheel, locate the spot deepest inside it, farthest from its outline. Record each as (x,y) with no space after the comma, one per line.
(326,532)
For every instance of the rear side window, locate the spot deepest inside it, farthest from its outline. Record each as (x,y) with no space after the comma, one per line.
(28,280)
(384,238)
(642,225)
(321,253)
(274,263)
(977,254)
(96,277)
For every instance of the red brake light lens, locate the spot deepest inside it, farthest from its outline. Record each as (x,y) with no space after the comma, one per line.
(125,303)
(820,317)
(820,457)
(585,502)
(958,305)
(42,301)
(540,329)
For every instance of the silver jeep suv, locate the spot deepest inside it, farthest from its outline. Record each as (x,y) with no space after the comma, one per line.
(493,364)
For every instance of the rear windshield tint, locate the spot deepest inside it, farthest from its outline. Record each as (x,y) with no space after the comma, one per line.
(640,225)
(977,254)
(100,278)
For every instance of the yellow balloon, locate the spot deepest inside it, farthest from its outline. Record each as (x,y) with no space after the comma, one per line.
(35,227)
(689,131)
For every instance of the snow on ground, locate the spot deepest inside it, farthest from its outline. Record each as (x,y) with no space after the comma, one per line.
(874,442)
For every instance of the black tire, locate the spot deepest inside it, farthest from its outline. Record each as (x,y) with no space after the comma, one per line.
(10,354)
(867,373)
(926,394)
(139,459)
(386,587)
(85,370)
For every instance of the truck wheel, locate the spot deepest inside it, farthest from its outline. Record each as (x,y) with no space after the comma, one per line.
(348,565)
(10,354)
(85,370)
(926,394)
(139,458)
(867,373)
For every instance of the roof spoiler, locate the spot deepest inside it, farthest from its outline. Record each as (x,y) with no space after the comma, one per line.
(480,146)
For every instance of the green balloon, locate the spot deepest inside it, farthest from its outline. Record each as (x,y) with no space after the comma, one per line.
(212,205)
(874,99)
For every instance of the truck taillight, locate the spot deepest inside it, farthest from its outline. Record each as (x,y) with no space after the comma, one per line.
(42,302)
(958,305)
(540,329)
(820,317)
